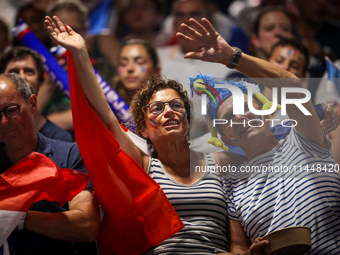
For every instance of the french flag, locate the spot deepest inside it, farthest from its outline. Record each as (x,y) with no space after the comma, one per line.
(137,214)
(34,178)
(333,83)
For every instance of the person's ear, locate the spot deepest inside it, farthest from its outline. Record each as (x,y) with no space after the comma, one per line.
(33,103)
(227,140)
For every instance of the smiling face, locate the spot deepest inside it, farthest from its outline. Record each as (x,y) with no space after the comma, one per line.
(272,27)
(169,124)
(16,131)
(135,66)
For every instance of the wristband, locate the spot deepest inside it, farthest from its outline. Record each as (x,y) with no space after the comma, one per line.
(235,59)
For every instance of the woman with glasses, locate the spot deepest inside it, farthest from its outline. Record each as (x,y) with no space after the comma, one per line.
(162,115)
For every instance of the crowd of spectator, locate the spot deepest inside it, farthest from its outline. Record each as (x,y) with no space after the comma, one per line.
(137,43)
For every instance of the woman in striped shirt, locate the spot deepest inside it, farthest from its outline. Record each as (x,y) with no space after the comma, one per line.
(288,182)
(162,115)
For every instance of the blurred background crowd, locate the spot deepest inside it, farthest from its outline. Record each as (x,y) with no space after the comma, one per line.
(129,40)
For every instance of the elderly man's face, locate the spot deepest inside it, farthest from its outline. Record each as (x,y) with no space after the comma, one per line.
(27,69)
(15,131)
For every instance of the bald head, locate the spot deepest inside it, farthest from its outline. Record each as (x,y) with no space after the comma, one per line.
(18,82)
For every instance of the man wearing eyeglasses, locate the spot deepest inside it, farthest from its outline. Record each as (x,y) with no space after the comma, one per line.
(47,228)
(28,64)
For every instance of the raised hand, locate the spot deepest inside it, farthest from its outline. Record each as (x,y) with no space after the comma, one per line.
(209,45)
(331,120)
(64,34)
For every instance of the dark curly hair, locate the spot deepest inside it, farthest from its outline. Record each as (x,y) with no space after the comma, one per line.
(142,97)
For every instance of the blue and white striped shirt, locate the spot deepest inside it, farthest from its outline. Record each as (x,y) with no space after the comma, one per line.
(202,208)
(306,195)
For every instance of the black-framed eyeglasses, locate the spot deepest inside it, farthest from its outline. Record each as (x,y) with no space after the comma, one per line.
(157,107)
(12,111)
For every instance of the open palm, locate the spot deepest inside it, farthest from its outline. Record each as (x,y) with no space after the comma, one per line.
(63,34)
(209,45)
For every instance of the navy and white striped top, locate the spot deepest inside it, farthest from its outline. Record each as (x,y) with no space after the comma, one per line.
(202,208)
(267,201)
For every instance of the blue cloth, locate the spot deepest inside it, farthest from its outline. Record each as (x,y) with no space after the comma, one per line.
(239,39)
(99,16)
(65,155)
(223,93)
(52,131)
(329,39)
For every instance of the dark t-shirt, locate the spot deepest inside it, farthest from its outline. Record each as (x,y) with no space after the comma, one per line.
(52,131)
(65,155)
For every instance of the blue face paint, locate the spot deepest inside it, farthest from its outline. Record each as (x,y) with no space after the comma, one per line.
(143,69)
(153,124)
(291,52)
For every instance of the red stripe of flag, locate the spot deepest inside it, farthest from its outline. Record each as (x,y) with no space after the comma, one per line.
(35,178)
(137,214)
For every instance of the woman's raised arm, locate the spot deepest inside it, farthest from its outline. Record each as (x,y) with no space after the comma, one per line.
(65,36)
(209,46)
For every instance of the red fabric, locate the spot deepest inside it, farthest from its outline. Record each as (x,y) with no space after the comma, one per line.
(35,178)
(137,214)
